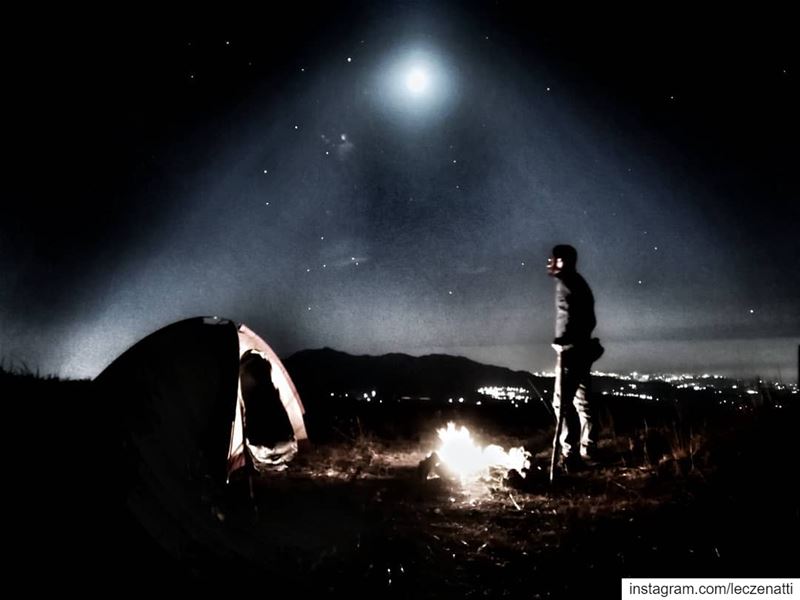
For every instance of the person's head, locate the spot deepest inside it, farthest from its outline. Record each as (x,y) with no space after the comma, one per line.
(563,258)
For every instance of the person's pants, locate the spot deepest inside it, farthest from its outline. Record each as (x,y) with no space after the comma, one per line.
(577,417)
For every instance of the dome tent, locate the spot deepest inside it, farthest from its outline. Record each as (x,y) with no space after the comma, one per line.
(181,398)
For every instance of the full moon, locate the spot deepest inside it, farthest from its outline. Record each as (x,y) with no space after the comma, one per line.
(415,84)
(417,80)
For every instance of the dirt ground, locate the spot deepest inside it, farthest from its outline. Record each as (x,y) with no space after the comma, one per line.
(709,496)
(360,518)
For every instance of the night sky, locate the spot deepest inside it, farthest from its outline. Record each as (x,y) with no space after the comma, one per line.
(382,177)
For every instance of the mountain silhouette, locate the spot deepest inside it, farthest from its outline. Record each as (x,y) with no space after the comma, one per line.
(436,377)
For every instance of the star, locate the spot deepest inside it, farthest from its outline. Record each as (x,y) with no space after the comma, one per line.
(752,311)
(349,59)
(297,127)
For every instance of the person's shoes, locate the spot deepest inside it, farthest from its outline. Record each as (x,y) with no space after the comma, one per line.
(590,455)
(591,462)
(571,464)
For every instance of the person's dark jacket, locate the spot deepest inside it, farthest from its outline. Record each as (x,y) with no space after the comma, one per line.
(575,318)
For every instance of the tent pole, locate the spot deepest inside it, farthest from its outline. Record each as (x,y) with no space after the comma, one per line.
(250,467)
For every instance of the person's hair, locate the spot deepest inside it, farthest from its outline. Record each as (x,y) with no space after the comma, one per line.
(566,253)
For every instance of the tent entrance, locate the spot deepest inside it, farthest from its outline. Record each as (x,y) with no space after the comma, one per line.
(262,434)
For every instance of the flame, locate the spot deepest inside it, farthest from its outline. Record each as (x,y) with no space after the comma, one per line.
(459,453)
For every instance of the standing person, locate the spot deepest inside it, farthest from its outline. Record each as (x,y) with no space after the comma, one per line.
(576,350)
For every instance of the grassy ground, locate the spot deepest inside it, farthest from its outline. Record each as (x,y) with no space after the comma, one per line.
(709,495)
(357,516)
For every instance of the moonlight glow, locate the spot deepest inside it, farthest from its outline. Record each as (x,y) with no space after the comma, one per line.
(417,81)
(460,141)
(415,84)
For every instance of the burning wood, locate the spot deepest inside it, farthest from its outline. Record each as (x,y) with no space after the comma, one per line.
(459,457)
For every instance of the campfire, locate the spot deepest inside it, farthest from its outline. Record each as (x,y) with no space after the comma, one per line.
(460,457)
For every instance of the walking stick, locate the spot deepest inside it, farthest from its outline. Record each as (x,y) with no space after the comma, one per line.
(558,415)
